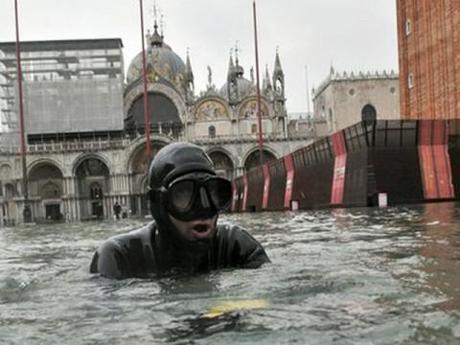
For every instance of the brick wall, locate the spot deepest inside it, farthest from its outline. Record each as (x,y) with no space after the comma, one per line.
(429,54)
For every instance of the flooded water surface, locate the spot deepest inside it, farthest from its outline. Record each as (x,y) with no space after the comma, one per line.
(357,276)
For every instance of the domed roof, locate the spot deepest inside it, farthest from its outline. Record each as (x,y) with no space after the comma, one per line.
(245,87)
(160,58)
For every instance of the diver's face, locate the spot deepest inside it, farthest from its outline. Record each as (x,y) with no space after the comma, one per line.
(196,230)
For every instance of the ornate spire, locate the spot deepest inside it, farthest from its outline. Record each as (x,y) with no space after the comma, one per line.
(267,78)
(278,78)
(278,70)
(188,68)
(231,67)
(238,69)
(156,40)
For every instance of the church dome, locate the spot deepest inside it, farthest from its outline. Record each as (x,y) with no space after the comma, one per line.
(245,87)
(161,60)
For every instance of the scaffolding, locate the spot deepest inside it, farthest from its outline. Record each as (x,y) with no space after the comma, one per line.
(69,87)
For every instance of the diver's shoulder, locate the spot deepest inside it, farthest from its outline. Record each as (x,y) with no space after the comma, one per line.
(232,231)
(143,233)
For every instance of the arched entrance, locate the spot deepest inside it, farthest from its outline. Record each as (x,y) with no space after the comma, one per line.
(139,163)
(253,159)
(222,163)
(368,114)
(45,188)
(92,176)
(8,192)
(9,206)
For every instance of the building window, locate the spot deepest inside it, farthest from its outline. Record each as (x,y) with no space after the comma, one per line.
(351,92)
(410,80)
(368,114)
(254,128)
(408,27)
(331,121)
(392,89)
(95,191)
(212,131)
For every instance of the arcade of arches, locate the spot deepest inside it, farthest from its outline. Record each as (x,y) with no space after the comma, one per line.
(253,159)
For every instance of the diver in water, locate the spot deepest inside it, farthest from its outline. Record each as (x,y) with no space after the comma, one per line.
(185,198)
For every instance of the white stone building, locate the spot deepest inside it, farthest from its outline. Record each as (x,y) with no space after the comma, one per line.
(345,99)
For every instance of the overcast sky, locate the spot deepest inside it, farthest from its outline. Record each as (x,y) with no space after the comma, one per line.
(352,35)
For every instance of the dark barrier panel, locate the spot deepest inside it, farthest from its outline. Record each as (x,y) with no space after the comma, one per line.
(355,193)
(277,185)
(356,174)
(393,163)
(255,190)
(300,184)
(397,173)
(313,166)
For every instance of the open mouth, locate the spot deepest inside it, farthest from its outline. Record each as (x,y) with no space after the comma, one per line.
(200,228)
(201,231)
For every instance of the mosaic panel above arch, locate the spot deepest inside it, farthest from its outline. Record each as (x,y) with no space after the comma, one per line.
(211,110)
(249,109)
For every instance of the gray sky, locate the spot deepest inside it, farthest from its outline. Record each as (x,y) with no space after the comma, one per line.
(352,35)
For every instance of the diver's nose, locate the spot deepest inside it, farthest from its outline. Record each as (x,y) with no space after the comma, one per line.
(204,198)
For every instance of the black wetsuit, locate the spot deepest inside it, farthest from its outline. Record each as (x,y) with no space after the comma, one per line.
(140,253)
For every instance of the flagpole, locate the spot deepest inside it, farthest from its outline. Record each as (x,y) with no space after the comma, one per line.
(144,75)
(259,116)
(26,212)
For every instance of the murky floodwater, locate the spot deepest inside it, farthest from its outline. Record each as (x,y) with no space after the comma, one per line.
(360,276)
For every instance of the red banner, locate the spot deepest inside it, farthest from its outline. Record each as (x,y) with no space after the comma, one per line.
(266,187)
(340,162)
(289,165)
(434,160)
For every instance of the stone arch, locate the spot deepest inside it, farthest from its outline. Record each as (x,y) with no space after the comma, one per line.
(139,145)
(44,161)
(6,172)
(45,180)
(252,159)
(161,108)
(167,91)
(84,156)
(223,163)
(137,160)
(137,166)
(92,176)
(368,113)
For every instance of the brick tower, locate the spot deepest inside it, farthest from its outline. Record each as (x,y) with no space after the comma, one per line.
(429,58)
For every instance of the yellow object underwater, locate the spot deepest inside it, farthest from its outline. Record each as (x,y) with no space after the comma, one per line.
(231,306)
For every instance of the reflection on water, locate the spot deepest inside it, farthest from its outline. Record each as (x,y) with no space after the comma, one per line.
(359,276)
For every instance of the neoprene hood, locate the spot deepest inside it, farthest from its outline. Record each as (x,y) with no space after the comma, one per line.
(175,160)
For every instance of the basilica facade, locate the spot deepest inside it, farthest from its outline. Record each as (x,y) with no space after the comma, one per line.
(86,129)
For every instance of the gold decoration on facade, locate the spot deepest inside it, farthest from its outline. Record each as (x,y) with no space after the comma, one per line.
(249,110)
(211,110)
